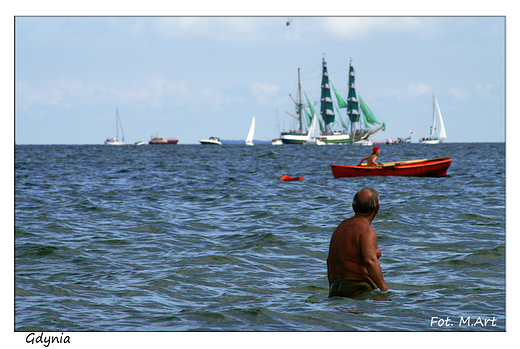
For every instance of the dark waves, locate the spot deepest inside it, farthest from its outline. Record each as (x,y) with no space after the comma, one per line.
(193,238)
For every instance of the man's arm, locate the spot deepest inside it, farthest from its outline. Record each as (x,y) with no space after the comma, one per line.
(368,242)
(362,160)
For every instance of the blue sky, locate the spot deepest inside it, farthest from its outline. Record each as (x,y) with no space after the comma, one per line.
(195,77)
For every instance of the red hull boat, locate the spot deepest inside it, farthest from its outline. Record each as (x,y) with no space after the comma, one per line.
(162,140)
(418,168)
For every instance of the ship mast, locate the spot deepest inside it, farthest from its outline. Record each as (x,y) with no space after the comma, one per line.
(327,110)
(117,125)
(300,102)
(352,101)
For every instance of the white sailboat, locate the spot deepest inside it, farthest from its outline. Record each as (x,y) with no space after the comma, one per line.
(249,139)
(116,141)
(313,136)
(442,131)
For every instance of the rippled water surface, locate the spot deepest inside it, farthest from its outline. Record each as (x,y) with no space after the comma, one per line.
(202,238)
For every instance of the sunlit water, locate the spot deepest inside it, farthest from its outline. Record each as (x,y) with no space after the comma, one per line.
(207,238)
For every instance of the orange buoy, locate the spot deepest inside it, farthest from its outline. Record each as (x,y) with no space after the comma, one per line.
(287,178)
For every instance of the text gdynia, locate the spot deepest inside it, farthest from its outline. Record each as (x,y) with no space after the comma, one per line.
(47,340)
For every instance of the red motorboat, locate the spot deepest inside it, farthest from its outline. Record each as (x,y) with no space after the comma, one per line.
(419,168)
(162,140)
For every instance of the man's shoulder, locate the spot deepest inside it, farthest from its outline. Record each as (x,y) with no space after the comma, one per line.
(341,226)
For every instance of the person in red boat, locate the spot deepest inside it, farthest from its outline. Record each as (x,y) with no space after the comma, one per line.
(353,261)
(371,159)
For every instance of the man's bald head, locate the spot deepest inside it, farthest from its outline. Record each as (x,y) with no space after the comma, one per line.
(366,201)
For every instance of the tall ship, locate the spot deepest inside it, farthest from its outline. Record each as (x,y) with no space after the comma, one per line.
(356,130)
(361,123)
(116,141)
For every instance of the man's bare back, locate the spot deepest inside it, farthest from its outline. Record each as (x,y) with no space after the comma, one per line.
(346,261)
(353,252)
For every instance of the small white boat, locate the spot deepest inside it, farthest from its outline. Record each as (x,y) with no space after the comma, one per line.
(276,141)
(139,143)
(116,141)
(364,142)
(211,140)
(249,139)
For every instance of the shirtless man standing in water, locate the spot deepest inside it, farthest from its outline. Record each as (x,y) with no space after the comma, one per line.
(352,264)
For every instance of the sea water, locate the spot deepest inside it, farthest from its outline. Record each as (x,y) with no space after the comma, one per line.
(208,238)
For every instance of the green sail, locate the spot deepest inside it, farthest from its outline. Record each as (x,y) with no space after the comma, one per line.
(340,119)
(368,116)
(341,101)
(308,118)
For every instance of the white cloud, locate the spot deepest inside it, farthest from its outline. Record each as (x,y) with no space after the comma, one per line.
(211,28)
(483,89)
(460,95)
(216,99)
(418,89)
(69,93)
(264,88)
(358,27)
(263,91)
(255,29)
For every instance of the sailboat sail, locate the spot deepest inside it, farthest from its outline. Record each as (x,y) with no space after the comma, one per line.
(314,132)
(368,117)
(442,133)
(341,101)
(250,135)
(313,112)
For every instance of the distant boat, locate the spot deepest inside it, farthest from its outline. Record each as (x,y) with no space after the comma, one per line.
(139,143)
(211,140)
(249,139)
(277,141)
(290,136)
(442,131)
(399,140)
(162,140)
(116,141)
(364,142)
